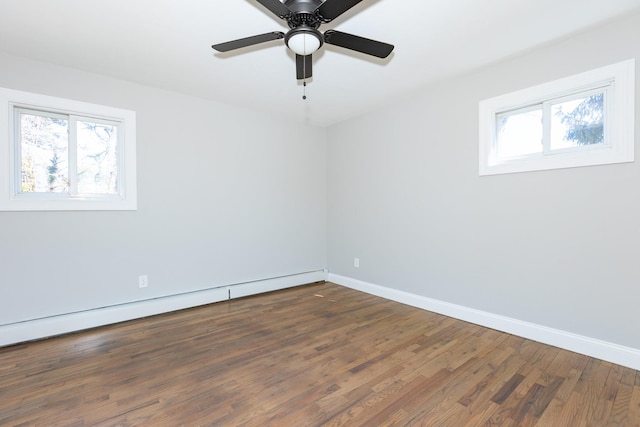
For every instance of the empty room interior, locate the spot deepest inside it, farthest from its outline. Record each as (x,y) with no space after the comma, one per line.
(431,219)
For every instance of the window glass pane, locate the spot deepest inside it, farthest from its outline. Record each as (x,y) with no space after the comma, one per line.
(578,122)
(44,154)
(97,158)
(519,133)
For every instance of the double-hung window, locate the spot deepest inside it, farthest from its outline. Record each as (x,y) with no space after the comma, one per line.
(586,119)
(65,155)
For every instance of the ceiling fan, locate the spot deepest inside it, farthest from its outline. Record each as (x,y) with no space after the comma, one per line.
(304,17)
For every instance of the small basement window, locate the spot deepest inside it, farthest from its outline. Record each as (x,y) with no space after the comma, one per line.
(65,155)
(582,120)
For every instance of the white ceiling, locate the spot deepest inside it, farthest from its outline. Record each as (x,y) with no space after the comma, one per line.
(167,44)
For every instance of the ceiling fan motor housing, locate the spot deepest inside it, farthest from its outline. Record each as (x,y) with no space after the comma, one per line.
(303,6)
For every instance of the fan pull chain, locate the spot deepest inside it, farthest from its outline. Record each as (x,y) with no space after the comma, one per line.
(304,72)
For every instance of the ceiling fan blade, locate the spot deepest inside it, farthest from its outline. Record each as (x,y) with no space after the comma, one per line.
(276,7)
(248,41)
(357,43)
(331,9)
(303,67)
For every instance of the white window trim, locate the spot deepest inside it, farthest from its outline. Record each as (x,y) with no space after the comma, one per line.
(10,201)
(620,130)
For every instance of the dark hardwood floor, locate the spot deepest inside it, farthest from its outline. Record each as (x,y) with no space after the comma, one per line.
(318,355)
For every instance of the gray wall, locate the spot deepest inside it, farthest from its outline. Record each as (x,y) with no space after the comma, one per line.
(224,196)
(555,248)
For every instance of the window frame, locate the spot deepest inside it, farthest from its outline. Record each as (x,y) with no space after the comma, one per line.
(618,83)
(13,199)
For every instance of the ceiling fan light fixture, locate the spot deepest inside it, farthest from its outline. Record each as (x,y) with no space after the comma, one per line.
(304,41)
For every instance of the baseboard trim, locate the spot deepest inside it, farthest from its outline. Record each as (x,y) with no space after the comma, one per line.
(30,330)
(621,355)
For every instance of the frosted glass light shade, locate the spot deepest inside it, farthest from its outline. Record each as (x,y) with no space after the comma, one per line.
(304,43)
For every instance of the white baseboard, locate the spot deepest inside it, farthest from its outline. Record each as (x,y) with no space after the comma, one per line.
(621,355)
(49,326)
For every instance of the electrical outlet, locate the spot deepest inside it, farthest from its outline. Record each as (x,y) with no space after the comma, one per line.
(143,281)
(356,262)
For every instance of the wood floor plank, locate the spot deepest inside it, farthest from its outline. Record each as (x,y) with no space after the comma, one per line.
(634,408)
(317,355)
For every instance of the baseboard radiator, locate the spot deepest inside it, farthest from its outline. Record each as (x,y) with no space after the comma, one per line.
(30,330)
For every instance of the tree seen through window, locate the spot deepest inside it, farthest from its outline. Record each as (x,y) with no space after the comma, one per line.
(49,158)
